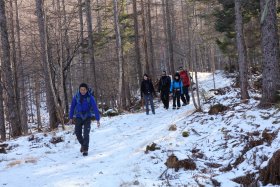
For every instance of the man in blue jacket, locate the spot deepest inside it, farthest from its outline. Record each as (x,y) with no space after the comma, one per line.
(83,108)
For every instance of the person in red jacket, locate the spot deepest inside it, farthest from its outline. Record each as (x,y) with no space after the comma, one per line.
(186,84)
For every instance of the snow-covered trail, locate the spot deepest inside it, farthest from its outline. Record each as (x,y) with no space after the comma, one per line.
(115,154)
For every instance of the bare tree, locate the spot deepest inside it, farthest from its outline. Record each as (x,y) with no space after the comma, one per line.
(242,51)
(50,93)
(145,45)
(90,43)
(23,104)
(119,53)
(14,60)
(270,50)
(170,35)
(151,45)
(37,102)
(8,79)
(136,43)
(2,117)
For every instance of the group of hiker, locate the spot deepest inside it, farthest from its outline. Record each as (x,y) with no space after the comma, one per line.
(178,88)
(84,107)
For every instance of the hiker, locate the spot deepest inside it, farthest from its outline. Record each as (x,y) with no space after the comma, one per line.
(176,88)
(147,91)
(163,89)
(83,108)
(186,84)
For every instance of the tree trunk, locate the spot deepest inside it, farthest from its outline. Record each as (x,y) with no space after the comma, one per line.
(2,118)
(90,44)
(99,20)
(23,104)
(147,66)
(119,53)
(270,52)
(53,118)
(31,93)
(170,37)
(81,53)
(37,102)
(242,51)
(151,45)
(165,51)
(14,64)
(198,107)
(61,56)
(8,80)
(136,44)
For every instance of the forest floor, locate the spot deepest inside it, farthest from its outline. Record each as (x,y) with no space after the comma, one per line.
(224,149)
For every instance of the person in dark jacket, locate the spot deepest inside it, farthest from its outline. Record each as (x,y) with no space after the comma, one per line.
(163,89)
(83,108)
(147,91)
(176,88)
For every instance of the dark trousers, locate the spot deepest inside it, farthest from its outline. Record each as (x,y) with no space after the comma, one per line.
(176,97)
(82,130)
(164,96)
(149,100)
(185,96)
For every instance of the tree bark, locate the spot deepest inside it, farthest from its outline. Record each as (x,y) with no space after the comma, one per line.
(90,44)
(136,44)
(270,52)
(81,53)
(151,45)
(165,51)
(23,104)
(145,45)
(37,102)
(119,53)
(8,79)
(242,51)
(52,110)
(14,59)
(170,36)
(2,117)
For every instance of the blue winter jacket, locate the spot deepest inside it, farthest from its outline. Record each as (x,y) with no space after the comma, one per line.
(84,106)
(176,85)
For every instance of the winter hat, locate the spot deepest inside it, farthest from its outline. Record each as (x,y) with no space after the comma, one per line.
(84,85)
(177,75)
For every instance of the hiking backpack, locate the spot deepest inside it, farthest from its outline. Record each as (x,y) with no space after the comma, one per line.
(89,93)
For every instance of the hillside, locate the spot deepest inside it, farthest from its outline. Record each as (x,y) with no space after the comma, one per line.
(218,149)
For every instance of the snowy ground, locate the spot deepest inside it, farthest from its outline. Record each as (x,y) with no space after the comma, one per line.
(117,149)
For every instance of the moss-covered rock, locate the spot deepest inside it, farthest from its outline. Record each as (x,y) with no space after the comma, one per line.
(185,134)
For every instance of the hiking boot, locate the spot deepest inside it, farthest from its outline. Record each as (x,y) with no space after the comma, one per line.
(178,108)
(82,149)
(184,104)
(85,153)
(174,107)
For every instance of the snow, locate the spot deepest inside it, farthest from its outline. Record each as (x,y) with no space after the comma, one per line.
(117,149)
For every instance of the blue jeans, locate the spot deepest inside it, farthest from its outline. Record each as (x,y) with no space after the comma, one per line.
(82,130)
(149,99)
